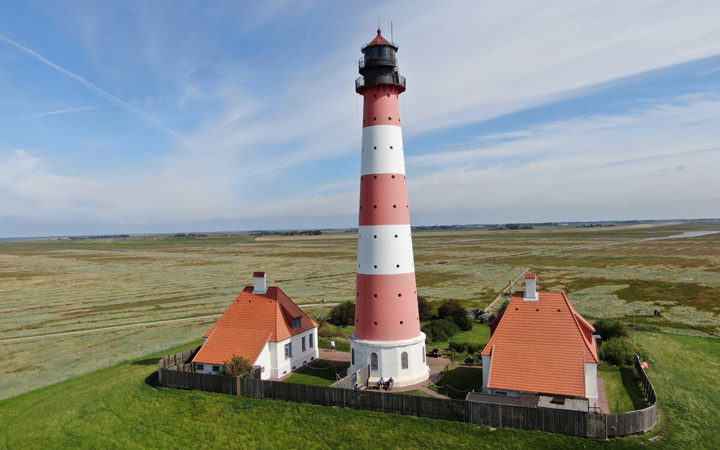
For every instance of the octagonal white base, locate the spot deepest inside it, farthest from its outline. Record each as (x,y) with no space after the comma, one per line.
(390,358)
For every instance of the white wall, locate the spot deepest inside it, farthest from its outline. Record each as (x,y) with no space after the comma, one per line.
(390,359)
(486,361)
(281,366)
(591,385)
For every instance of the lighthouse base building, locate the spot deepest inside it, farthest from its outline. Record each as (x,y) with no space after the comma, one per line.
(404,361)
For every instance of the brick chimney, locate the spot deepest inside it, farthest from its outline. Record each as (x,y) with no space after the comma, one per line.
(531,287)
(259,283)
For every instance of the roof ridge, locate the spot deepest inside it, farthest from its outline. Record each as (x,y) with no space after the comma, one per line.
(574,314)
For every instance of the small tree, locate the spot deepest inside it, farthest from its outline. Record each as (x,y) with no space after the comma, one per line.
(236,366)
(453,310)
(343,314)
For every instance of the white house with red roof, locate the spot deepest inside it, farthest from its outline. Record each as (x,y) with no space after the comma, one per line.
(540,344)
(265,326)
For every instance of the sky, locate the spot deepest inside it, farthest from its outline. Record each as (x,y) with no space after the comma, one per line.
(148,117)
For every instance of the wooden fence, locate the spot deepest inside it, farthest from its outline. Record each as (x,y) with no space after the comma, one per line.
(359,377)
(574,423)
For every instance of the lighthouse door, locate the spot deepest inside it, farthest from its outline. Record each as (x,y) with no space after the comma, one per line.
(373,364)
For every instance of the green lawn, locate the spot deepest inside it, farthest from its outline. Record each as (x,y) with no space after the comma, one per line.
(457,381)
(622,388)
(322,373)
(341,345)
(122,407)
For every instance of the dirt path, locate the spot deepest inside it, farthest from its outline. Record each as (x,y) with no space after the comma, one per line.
(116,327)
(495,302)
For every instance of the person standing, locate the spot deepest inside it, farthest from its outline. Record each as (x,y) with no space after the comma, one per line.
(332,345)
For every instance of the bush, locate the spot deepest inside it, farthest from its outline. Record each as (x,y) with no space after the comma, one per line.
(425,310)
(236,366)
(453,310)
(457,346)
(504,306)
(325,330)
(610,329)
(440,330)
(618,351)
(343,314)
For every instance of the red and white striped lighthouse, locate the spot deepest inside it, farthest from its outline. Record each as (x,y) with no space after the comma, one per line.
(387,324)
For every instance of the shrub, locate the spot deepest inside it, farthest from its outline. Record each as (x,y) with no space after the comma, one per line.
(453,310)
(504,306)
(457,346)
(440,330)
(610,329)
(325,330)
(236,366)
(343,314)
(425,310)
(618,351)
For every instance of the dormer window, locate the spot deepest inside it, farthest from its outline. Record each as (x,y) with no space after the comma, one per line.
(296,322)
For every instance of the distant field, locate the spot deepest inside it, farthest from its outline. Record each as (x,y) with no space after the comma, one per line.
(52,286)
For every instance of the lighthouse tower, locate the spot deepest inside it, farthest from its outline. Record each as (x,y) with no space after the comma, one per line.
(387,324)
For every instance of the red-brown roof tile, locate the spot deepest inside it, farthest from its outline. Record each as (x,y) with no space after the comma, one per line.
(249,323)
(379,39)
(541,346)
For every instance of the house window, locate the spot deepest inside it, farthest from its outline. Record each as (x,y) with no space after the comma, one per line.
(303,343)
(200,367)
(404,360)
(296,322)
(310,338)
(373,361)
(216,368)
(288,350)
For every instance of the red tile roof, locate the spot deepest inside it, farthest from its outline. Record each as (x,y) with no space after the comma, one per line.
(249,323)
(379,39)
(541,346)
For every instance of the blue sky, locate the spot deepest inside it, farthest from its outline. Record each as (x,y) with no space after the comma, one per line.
(130,117)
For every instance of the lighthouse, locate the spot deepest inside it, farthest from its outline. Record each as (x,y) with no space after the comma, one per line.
(387,324)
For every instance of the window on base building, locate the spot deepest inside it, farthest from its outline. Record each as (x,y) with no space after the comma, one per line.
(373,361)
(296,322)
(404,360)
(288,350)
(303,343)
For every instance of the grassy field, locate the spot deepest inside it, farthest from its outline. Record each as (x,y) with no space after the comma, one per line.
(55,286)
(121,407)
(59,286)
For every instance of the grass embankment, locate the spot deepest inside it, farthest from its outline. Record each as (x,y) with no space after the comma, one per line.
(622,388)
(121,407)
(322,373)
